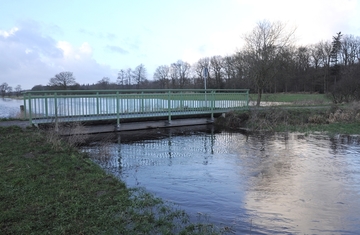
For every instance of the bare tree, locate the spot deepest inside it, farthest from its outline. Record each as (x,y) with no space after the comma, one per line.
(104,83)
(198,71)
(162,74)
(264,46)
(129,76)
(139,74)
(18,90)
(183,69)
(217,70)
(349,47)
(229,70)
(302,65)
(63,80)
(5,88)
(325,51)
(121,79)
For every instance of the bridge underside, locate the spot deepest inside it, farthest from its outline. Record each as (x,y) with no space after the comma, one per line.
(108,124)
(127,117)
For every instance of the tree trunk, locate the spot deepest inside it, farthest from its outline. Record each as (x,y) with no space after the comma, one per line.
(259,97)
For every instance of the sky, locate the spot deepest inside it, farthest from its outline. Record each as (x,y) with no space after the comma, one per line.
(96,39)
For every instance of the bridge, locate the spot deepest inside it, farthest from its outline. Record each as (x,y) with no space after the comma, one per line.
(124,106)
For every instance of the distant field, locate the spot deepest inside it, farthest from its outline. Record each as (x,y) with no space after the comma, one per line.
(292,97)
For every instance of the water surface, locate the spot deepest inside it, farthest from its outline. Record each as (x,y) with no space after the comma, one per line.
(254,184)
(9,107)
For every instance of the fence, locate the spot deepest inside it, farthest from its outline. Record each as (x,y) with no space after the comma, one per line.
(92,105)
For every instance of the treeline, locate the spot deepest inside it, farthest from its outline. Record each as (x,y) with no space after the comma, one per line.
(268,62)
(6,90)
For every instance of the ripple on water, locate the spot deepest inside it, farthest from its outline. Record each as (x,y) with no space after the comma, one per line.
(263,184)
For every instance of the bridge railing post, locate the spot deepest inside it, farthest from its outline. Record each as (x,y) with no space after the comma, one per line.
(30,109)
(169,107)
(247,99)
(212,104)
(97,104)
(25,106)
(181,101)
(142,102)
(56,108)
(117,111)
(46,105)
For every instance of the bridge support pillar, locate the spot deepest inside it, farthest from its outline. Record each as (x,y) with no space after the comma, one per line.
(117,127)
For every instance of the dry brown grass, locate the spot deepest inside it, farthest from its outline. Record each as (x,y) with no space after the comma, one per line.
(348,113)
(272,118)
(72,133)
(102,152)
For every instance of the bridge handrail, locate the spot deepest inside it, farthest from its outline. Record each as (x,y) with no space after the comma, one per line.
(132,91)
(49,104)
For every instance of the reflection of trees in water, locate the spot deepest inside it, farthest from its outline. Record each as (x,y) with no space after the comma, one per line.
(269,161)
(341,143)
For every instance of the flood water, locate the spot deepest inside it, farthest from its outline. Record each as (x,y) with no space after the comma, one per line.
(283,183)
(10,107)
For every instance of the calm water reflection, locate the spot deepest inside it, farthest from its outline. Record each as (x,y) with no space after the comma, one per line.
(258,184)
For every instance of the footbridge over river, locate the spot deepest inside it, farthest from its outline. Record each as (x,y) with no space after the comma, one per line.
(173,107)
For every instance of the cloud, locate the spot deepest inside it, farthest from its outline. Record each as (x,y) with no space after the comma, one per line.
(111,36)
(23,46)
(101,35)
(29,58)
(117,49)
(6,34)
(315,20)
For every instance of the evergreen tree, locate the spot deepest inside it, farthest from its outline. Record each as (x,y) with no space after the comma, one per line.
(335,67)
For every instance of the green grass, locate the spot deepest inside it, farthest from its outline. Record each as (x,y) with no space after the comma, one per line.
(10,119)
(330,129)
(57,190)
(291,97)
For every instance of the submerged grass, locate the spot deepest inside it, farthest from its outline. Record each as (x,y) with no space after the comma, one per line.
(47,189)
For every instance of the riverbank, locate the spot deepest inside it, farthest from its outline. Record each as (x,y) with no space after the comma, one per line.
(49,188)
(343,119)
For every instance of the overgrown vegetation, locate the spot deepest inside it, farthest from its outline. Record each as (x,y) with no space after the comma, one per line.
(333,120)
(49,187)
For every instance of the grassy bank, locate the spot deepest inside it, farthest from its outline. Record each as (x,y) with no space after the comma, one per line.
(54,189)
(332,120)
(294,98)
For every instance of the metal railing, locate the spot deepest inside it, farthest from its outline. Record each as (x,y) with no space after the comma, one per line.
(92,105)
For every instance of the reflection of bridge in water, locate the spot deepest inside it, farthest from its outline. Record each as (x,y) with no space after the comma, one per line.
(128,150)
(121,106)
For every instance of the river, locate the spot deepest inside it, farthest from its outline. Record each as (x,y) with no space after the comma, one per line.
(282,183)
(10,107)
